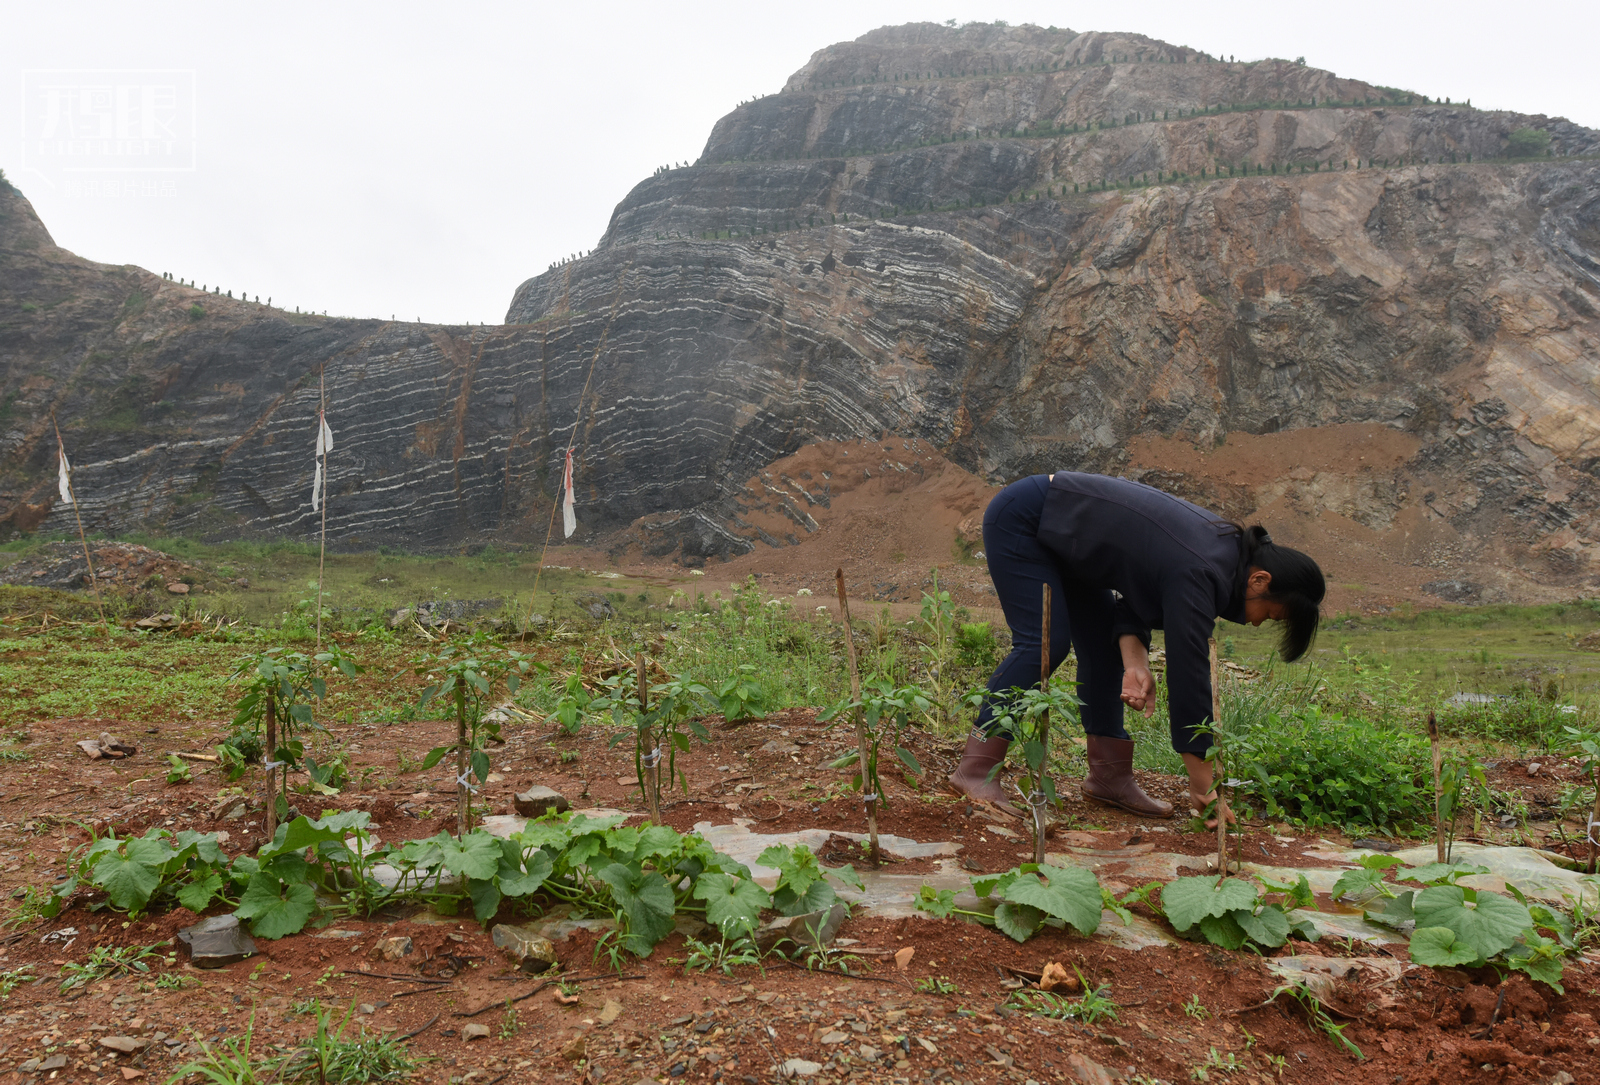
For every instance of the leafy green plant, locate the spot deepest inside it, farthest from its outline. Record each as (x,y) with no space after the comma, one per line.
(975,646)
(177,770)
(1033,895)
(1301,764)
(741,695)
(1092,1007)
(1196,1009)
(140,872)
(938,624)
(1026,713)
(12,978)
(886,711)
(724,954)
(1229,912)
(1457,925)
(1318,1015)
(573,704)
(936,985)
(1366,879)
(465,673)
(509,1024)
(656,723)
(1461,780)
(802,887)
(104,962)
(328,1058)
(228,1063)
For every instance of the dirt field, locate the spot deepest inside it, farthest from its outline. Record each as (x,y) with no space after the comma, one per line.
(654,1022)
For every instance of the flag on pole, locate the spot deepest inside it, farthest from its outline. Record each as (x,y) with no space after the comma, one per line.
(569,519)
(324,446)
(64,477)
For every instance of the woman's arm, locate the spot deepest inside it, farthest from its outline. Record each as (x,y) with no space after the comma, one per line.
(1138,687)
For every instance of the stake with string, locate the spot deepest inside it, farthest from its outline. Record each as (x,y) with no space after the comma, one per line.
(324,446)
(1438,788)
(1036,800)
(650,752)
(1217,770)
(870,798)
(69,495)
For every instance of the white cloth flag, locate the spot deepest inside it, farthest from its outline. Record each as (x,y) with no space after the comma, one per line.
(569,518)
(324,446)
(63,479)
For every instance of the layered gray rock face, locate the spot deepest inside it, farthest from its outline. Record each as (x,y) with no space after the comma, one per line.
(1002,276)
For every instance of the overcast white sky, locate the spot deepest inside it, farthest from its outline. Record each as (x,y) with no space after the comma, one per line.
(422,160)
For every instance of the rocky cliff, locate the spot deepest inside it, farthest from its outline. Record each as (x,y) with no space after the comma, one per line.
(1030,248)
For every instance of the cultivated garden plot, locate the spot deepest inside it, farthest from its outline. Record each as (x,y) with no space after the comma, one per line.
(429,852)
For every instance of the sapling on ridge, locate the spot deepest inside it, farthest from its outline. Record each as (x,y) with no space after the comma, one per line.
(466,673)
(279,687)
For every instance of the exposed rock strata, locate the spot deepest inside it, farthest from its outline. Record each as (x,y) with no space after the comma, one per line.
(958,292)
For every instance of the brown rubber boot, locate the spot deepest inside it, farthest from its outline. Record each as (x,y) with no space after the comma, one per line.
(1110,780)
(972,777)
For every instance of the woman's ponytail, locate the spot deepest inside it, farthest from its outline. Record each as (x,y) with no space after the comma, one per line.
(1297,585)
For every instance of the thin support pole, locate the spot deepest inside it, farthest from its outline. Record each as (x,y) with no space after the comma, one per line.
(1217,771)
(463,788)
(72,494)
(1036,799)
(322,553)
(1438,789)
(863,747)
(652,752)
(272,756)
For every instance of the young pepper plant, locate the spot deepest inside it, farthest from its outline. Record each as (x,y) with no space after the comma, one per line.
(1026,713)
(886,710)
(657,724)
(466,673)
(279,689)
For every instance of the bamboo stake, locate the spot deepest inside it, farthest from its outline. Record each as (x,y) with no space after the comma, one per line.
(72,492)
(463,788)
(652,779)
(870,798)
(272,755)
(1036,800)
(1438,787)
(1591,829)
(1216,763)
(322,554)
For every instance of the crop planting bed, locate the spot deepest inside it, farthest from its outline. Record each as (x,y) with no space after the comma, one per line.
(657,1022)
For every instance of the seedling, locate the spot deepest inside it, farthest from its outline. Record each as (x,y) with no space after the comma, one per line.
(508,1021)
(1193,1008)
(1318,1015)
(107,961)
(936,985)
(1091,1008)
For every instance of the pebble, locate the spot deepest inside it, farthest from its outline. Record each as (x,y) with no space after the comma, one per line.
(800,1068)
(474,1032)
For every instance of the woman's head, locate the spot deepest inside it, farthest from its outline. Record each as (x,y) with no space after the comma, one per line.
(1291,590)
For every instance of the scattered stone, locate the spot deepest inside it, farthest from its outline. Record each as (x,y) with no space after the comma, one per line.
(1533,769)
(779,746)
(178,587)
(31,1065)
(217,942)
(902,957)
(125,1044)
(54,1062)
(575,1050)
(610,1011)
(400,617)
(474,1032)
(393,947)
(106,747)
(130,1074)
(799,1068)
(159,621)
(870,1053)
(834,1037)
(535,801)
(367,1008)
(338,934)
(531,952)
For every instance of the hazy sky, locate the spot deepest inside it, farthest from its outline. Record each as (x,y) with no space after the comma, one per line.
(422,160)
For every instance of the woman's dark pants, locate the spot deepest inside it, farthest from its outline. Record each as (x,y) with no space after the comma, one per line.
(1079,615)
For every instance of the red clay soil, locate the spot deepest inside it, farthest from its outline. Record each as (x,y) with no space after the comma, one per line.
(1431,1026)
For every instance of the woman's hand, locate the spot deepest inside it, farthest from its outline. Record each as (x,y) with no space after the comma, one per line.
(1139,690)
(1138,686)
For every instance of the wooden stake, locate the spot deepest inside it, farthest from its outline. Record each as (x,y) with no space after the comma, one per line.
(463,789)
(1438,788)
(862,748)
(652,779)
(1592,830)
(322,553)
(1216,762)
(1036,800)
(272,773)
(72,492)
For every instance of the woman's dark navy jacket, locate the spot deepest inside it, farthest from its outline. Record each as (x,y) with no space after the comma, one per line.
(1176,566)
